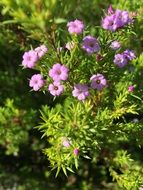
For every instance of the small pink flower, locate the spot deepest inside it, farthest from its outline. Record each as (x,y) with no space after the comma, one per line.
(41,50)
(29,59)
(76,151)
(120,60)
(80,91)
(115,45)
(58,72)
(90,44)
(56,88)
(36,82)
(131,88)
(75,27)
(130,55)
(98,81)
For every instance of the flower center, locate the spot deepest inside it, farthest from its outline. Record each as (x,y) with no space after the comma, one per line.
(119,60)
(80,91)
(55,87)
(74,25)
(98,81)
(58,72)
(91,44)
(36,81)
(111,23)
(29,58)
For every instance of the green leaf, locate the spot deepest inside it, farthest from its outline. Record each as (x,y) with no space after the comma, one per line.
(64,170)
(58,170)
(87,157)
(76,163)
(68,168)
(60,20)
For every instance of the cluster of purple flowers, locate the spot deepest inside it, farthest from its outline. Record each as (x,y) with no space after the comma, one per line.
(116,19)
(90,44)
(58,73)
(81,91)
(29,60)
(121,59)
(31,57)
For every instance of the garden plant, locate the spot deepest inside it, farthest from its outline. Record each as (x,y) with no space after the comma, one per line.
(89,78)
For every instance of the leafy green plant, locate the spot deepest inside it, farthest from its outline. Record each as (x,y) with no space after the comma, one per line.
(98,123)
(14,126)
(106,127)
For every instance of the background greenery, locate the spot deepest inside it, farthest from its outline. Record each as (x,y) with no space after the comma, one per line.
(23,166)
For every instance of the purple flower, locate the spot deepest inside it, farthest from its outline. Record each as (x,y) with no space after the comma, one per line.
(115,45)
(76,151)
(90,44)
(98,81)
(29,59)
(129,54)
(41,50)
(75,27)
(80,91)
(116,20)
(131,88)
(36,82)
(122,18)
(70,45)
(109,24)
(56,88)
(58,72)
(120,60)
